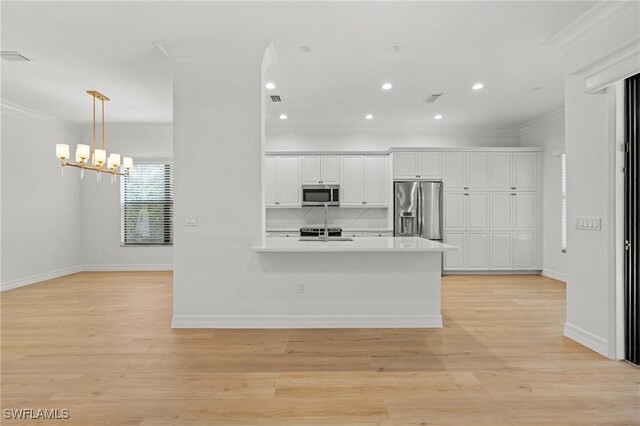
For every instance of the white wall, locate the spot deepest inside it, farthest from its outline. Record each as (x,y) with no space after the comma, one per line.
(548,132)
(41,210)
(101,201)
(374,139)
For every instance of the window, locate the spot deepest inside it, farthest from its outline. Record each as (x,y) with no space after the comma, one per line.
(563,207)
(146,202)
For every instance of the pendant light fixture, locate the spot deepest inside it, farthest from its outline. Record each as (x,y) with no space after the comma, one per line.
(101,163)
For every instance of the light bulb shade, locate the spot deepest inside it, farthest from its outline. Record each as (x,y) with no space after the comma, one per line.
(82,153)
(110,164)
(115,159)
(99,157)
(62,151)
(127,162)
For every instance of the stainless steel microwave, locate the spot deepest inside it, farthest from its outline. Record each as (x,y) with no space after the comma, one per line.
(319,195)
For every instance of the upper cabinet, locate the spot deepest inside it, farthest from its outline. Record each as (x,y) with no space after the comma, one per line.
(513,171)
(465,171)
(365,181)
(320,170)
(417,165)
(282,181)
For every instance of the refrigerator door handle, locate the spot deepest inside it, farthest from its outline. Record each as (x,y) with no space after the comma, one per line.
(419,210)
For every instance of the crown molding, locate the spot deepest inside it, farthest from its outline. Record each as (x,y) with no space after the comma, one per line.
(21,111)
(541,121)
(395,130)
(594,21)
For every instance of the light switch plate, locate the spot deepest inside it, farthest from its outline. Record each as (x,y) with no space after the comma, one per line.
(588,223)
(191,220)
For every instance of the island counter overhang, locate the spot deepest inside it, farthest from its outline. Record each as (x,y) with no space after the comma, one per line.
(383,282)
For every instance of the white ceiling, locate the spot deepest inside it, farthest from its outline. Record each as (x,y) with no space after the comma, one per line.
(445,47)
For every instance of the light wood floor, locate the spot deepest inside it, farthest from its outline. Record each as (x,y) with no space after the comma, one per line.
(100,345)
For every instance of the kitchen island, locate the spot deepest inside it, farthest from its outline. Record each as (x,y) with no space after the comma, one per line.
(368,282)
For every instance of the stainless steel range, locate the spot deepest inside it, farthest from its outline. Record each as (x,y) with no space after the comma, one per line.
(319,231)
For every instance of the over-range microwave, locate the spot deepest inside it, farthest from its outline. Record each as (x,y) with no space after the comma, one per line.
(319,195)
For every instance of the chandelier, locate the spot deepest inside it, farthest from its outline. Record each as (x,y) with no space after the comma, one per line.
(101,163)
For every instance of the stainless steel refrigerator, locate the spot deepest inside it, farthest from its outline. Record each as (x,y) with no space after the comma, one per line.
(418,209)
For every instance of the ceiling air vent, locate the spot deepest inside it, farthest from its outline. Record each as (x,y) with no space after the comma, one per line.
(13,56)
(432,98)
(275,98)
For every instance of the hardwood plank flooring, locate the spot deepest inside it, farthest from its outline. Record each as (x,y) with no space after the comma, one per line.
(101,346)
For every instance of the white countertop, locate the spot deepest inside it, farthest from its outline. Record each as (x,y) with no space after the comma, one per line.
(407,244)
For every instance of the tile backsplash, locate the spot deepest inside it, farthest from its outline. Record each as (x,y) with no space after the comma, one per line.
(314,216)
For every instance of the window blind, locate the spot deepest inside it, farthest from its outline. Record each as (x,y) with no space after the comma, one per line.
(563,207)
(146,201)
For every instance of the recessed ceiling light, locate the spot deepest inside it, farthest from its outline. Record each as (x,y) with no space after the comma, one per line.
(395,49)
(304,49)
(369,117)
(536,89)
(387,86)
(270,85)
(438,117)
(283,116)
(477,86)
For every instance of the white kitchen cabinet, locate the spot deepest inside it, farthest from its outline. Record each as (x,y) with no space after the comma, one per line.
(513,211)
(466,210)
(354,234)
(454,211)
(477,249)
(453,171)
(524,250)
(282,181)
(365,181)
(472,254)
(513,171)
(417,165)
(320,170)
(465,171)
(380,234)
(501,250)
(455,260)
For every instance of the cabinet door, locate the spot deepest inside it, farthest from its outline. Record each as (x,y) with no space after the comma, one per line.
(524,210)
(454,260)
(453,171)
(477,171)
(270,180)
(430,165)
(330,169)
(376,182)
(289,181)
(477,250)
(478,211)
(500,171)
(501,217)
(352,184)
(500,250)
(405,165)
(524,171)
(454,210)
(524,250)
(311,170)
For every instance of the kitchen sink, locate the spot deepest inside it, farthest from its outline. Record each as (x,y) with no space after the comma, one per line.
(322,239)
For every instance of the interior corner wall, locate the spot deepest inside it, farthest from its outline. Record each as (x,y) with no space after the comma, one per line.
(549,134)
(41,210)
(381,139)
(101,202)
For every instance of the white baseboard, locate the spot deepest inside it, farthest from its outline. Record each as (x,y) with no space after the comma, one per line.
(127,267)
(306,321)
(585,338)
(32,279)
(554,275)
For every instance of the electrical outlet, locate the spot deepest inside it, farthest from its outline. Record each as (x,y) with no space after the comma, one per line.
(301,288)
(191,220)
